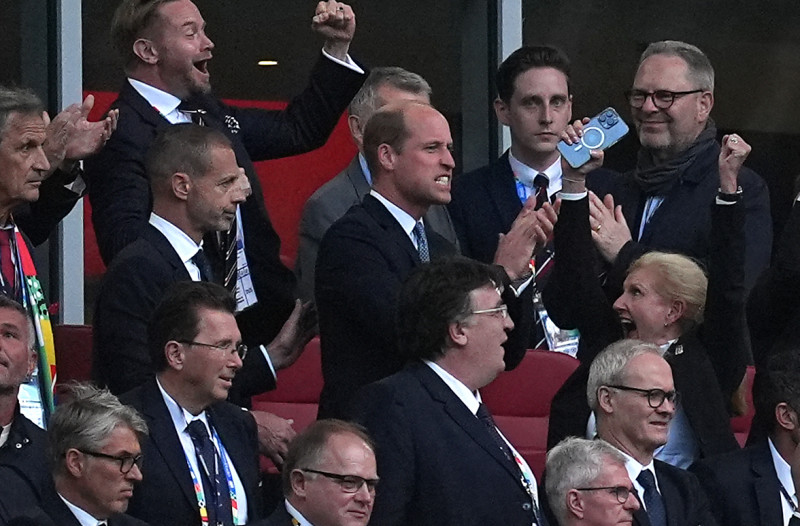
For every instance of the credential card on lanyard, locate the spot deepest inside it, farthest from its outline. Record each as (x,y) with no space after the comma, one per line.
(245,293)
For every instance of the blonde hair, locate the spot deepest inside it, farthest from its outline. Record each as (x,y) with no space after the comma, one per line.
(679,278)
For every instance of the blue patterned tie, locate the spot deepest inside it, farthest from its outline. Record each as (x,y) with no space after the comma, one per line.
(422,242)
(652,499)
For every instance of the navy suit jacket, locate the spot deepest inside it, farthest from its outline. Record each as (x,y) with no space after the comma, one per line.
(437,461)
(52,511)
(132,288)
(743,486)
(165,497)
(120,192)
(329,203)
(684,500)
(23,467)
(363,260)
(484,204)
(682,223)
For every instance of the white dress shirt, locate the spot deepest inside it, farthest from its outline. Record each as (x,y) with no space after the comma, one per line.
(525,174)
(784,472)
(83,516)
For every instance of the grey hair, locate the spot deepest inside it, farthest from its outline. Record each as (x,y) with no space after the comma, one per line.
(575,463)
(701,72)
(17,100)
(608,368)
(87,419)
(367,101)
(9,303)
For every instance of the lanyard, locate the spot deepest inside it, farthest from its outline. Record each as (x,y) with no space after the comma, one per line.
(202,502)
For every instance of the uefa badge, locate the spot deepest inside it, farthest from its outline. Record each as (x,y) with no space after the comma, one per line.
(232,124)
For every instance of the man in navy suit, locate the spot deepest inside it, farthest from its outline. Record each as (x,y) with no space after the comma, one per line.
(535,103)
(385,85)
(633,397)
(756,485)
(196,186)
(440,457)
(96,461)
(365,256)
(166,53)
(329,478)
(202,453)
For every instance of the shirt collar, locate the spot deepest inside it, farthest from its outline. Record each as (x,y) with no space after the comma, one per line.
(406,221)
(525,174)
(470,399)
(165,103)
(180,241)
(634,468)
(180,416)
(296,514)
(84,518)
(782,469)
(362,161)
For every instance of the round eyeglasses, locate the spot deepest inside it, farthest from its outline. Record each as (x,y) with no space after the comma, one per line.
(662,99)
(621,492)
(655,397)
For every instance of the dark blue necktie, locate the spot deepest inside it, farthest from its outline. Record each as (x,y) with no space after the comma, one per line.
(215,487)
(652,499)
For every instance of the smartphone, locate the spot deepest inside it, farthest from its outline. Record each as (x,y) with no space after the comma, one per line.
(604,130)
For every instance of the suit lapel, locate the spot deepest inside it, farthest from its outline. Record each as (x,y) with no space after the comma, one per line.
(389,224)
(456,410)
(766,486)
(167,252)
(502,191)
(139,104)
(673,501)
(55,508)
(357,178)
(165,438)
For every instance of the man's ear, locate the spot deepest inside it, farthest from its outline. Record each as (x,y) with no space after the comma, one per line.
(74,462)
(786,417)
(356,131)
(704,105)
(146,51)
(575,504)
(501,109)
(604,399)
(181,184)
(33,360)
(457,333)
(298,480)
(387,156)
(175,355)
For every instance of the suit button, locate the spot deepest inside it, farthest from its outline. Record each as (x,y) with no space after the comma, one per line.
(526,506)
(18,445)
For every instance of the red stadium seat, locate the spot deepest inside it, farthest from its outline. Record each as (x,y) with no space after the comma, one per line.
(73,345)
(297,394)
(519,401)
(741,424)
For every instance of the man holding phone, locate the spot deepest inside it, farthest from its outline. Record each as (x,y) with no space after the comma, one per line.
(666,201)
(534,101)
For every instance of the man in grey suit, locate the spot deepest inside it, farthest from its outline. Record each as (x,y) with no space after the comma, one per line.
(385,85)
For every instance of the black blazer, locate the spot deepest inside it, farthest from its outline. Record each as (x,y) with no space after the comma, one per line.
(23,467)
(53,512)
(682,223)
(120,193)
(165,496)
(279,517)
(437,462)
(484,204)
(713,352)
(684,500)
(363,260)
(132,287)
(743,486)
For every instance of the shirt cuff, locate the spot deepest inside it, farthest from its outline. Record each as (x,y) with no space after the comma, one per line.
(269,361)
(519,288)
(573,197)
(348,63)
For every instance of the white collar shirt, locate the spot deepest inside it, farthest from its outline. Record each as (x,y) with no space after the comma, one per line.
(183,245)
(83,516)
(181,418)
(164,103)
(407,223)
(525,174)
(634,468)
(784,472)
(296,515)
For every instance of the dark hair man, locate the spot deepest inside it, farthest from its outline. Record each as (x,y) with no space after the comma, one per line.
(441,458)
(202,453)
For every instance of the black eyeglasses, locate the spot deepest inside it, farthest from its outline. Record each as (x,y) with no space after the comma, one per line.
(662,99)
(621,492)
(126,462)
(655,397)
(240,349)
(348,483)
